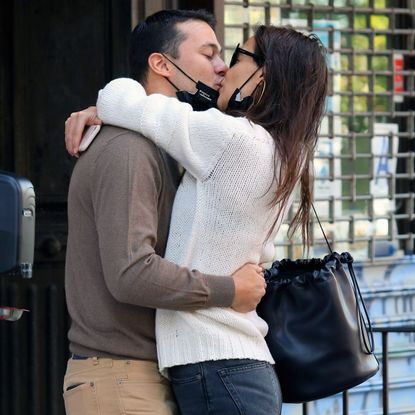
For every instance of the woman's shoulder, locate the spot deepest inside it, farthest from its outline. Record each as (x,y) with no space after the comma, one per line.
(258,134)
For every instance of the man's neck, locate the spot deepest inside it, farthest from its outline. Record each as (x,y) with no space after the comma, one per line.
(159,85)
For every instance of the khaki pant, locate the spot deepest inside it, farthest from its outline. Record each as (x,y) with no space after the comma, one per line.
(98,386)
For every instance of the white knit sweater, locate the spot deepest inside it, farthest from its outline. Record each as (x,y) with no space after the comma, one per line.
(221,215)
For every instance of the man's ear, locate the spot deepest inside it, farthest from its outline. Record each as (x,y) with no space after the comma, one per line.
(159,64)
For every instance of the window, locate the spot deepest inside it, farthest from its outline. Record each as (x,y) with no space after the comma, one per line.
(364,164)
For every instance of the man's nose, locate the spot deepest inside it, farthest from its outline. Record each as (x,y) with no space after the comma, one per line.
(221,68)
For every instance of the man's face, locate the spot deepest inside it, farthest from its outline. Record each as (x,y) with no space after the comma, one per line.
(198,57)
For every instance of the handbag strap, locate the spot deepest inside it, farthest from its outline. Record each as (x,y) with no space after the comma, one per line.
(364,320)
(321,227)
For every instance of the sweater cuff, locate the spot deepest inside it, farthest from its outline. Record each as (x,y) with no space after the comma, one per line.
(222,291)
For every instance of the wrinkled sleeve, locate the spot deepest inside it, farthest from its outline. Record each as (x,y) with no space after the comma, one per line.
(127,184)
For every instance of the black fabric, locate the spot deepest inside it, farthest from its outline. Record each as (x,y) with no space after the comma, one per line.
(203,99)
(236,102)
(319,330)
(239,104)
(79,357)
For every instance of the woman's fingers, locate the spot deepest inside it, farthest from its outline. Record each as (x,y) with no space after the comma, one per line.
(75,125)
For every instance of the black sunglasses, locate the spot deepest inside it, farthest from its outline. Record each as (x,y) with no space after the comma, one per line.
(257,58)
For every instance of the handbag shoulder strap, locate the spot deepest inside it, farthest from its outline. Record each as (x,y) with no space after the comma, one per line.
(321,227)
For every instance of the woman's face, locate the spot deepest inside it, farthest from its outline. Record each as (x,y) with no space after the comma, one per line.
(237,75)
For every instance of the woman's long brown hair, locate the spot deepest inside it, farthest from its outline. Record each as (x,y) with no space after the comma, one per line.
(290,109)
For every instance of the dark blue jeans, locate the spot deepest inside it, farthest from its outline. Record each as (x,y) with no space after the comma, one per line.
(226,387)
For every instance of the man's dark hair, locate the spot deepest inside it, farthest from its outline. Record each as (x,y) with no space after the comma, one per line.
(158,33)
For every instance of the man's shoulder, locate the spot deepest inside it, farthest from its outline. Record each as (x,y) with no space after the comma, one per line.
(114,136)
(119,144)
(118,151)
(123,152)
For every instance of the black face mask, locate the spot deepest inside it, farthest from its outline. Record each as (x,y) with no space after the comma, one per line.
(241,104)
(203,99)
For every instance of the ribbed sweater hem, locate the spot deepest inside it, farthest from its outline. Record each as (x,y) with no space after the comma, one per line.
(174,351)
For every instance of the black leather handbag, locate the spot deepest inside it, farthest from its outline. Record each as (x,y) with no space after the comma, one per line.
(320,334)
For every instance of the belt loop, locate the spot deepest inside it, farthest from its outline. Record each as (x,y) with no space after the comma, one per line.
(95,360)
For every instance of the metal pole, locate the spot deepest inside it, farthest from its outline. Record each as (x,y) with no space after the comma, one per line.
(385,383)
(345,403)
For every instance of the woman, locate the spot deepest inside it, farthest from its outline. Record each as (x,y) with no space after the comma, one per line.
(241,172)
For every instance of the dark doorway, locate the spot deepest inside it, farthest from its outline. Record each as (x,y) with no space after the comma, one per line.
(55,56)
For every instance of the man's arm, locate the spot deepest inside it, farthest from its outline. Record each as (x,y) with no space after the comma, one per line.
(128,182)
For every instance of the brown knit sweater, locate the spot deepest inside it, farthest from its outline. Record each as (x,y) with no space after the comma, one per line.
(119,204)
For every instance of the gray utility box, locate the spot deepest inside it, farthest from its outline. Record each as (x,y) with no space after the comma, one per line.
(17,225)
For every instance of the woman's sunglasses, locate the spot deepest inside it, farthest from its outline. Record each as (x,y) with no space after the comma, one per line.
(257,58)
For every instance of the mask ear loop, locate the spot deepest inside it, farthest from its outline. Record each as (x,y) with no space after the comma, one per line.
(181,70)
(171,83)
(240,89)
(257,69)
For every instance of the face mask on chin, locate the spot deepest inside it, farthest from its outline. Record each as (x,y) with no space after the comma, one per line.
(239,104)
(236,102)
(203,99)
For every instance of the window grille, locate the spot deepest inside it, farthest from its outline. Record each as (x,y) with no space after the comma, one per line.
(364,163)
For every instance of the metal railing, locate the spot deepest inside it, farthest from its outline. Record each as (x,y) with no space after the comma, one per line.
(384,330)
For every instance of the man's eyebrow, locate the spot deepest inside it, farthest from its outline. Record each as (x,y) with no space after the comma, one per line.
(212,45)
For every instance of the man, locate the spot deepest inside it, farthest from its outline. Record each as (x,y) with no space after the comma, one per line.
(119,206)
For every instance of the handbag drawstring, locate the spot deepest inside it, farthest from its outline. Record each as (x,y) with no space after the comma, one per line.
(365,324)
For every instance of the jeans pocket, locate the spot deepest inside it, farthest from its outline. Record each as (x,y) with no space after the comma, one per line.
(188,389)
(253,387)
(80,398)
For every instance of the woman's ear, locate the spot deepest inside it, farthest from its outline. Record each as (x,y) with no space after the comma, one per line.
(159,65)
(260,78)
